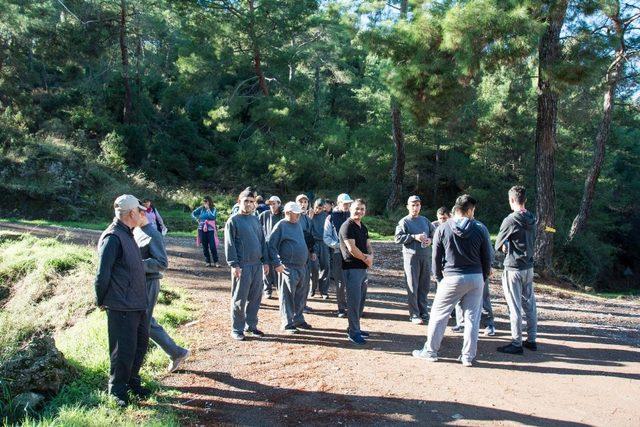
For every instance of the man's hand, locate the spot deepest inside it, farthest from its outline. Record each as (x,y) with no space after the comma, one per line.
(280,268)
(236,271)
(265,268)
(427,241)
(313,256)
(368,259)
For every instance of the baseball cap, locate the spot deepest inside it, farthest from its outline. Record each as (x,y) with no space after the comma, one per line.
(301,196)
(344,198)
(274,199)
(293,207)
(127,202)
(412,199)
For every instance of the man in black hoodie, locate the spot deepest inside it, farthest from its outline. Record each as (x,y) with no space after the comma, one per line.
(461,263)
(516,239)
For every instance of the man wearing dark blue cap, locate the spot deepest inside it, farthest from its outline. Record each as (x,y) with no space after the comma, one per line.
(415,232)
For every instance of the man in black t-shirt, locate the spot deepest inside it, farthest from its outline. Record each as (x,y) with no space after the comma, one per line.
(357,256)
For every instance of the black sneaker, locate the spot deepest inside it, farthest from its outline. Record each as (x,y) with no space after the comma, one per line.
(290,329)
(342,314)
(357,339)
(510,349)
(238,336)
(303,325)
(363,333)
(307,309)
(140,392)
(530,345)
(121,402)
(254,332)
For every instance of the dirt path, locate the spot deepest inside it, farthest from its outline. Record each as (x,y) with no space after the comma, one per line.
(586,372)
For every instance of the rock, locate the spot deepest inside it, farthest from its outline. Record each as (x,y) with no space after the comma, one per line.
(38,367)
(27,402)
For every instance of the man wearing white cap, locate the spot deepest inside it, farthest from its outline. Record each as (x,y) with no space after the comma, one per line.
(415,232)
(331,227)
(305,222)
(121,290)
(268,219)
(288,253)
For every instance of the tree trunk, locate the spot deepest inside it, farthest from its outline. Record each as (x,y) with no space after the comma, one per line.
(611,83)
(549,54)
(436,173)
(257,59)
(316,92)
(128,104)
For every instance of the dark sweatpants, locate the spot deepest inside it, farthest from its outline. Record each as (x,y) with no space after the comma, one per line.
(128,342)
(208,242)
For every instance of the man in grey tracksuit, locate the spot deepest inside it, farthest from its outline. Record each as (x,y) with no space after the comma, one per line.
(305,222)
(516,239)
(461,263)
(154,256)
(320,270)
(288,253)
(330,236)
(268,219)
(246,251)
(415,232)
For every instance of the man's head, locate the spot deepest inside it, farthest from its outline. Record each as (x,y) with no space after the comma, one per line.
(465,206)
(292,212)
(259,200)
(358,209)
(328,206)
(319,205)
(144,220)
(344,202)
(274,204)
(247,201)
(443,214)
(517,197)
(127,209)
(303,201)
(414,204)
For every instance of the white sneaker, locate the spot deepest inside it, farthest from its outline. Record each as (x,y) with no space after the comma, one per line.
(466,363)
(424,355)
(490,331)
(175,363)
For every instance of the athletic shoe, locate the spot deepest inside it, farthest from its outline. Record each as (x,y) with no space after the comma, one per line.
(312,295)
(303,325)
(357,339)
(510,349)
(365,334)
(175,363)
(307,309)
(290,329)
(531,345)
(490,331)
(140,392)
(208,264)
(121,402)
(466,363)
(424,355)
(342,314)
(238,336)
(416,320)
(325,296)
(254,332)
(216,265)
(459,329)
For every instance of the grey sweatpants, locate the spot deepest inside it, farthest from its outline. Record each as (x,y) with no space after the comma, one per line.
(356,290)
(320,268)
(417,272)
(270,279)
(518,291)
(246,294)
(487,309)
(156,332)
(466,288)
(301,301)
(338,279)
(291,292)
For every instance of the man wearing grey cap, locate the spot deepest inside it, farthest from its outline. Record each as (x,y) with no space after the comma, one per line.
(268,219)
(331,228)
(415,232)
(247,255)
(121,290)
(288,253)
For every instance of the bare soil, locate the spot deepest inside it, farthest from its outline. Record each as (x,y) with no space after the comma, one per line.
(586,371)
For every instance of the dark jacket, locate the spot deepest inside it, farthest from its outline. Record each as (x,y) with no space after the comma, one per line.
(517,233)
(120,282)
(461,246)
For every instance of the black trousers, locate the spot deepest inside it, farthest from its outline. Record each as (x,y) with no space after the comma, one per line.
(128,343)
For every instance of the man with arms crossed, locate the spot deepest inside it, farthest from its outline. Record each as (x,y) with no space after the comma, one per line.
(357,256)
(516,239)
(247,255)
(415,232)
(461,263)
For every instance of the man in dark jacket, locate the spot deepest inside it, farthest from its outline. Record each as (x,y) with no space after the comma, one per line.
(516,239)
(121,290)
(461,263)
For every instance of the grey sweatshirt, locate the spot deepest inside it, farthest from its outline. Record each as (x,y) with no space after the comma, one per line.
(461,246)
(244,242)
(517,233)
(317,226)
(287,244)
(407,227)
(268,220)
(152,249)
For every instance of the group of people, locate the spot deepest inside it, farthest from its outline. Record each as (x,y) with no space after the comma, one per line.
(299,250)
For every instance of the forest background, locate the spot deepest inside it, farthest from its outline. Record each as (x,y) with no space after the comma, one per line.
(381,99)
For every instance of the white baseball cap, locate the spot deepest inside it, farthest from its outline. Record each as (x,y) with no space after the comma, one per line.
(344,198)
(274,199)
(301,196)
(127,202)
(293,207)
